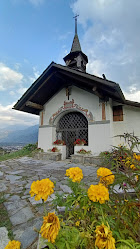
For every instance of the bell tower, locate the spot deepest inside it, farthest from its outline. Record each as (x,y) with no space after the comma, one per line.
(76,59)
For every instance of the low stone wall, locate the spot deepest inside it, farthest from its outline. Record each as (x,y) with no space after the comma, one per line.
(76,158)
(85,159)
(55,156)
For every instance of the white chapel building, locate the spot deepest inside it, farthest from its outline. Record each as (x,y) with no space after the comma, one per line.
(73,104)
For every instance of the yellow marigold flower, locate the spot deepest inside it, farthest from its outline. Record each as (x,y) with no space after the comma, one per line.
(104,238)
(42,189)
(132,166)
(50,227)
(77,223)
(137,157)
(136,178)
(127,163)
(98,193)
(106,176)
(75,174)
(134,155)
(13,245)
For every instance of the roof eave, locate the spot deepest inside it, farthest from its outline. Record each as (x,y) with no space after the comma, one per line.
(32,87)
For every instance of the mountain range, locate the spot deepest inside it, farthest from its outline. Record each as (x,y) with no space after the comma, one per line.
(18,135)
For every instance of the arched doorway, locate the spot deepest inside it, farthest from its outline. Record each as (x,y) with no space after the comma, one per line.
(70,127)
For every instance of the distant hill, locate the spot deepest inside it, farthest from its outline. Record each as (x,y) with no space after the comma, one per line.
(19,136)
(4,132)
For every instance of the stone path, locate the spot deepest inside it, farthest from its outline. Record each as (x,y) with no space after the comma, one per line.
(16,177)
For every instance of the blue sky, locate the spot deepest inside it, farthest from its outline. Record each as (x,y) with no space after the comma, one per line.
(33,33)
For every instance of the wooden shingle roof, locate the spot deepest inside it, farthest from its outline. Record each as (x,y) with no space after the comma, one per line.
(57,77)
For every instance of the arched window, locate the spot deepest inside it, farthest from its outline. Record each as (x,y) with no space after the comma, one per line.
(70,127)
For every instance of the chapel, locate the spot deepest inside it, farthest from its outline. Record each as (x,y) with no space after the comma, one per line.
(73,104)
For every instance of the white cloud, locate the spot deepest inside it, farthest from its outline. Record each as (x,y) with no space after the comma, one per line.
(9,78)
(17,66)
(8,116)
(12,93)
(15,85)
(64,36)
(133,93)
(35,75)
(111,39)
(21,90)
(134,96)
(96,67)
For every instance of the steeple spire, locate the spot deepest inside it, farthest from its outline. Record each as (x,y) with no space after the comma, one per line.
(76,58)
(76,24)
(76,44)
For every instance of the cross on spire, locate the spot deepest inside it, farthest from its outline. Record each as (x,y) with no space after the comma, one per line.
(76,59)
(75,17)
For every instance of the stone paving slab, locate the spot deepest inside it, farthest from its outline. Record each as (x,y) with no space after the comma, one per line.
(1,175)
(15,189)
(3,168)
(2,165)
(4,240)
(27,234)
(66,189)
(17,172)
(15,206)
(21,216)
(33,202)
(2,187)
(24,212)
(13,178)
(14,198)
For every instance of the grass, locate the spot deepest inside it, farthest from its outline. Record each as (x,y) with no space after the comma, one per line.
(4,219)
(16,154)
(25,151)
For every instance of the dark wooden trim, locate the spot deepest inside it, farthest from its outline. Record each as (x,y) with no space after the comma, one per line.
(103,111)
(22,106)
(34,105)
(107,89)
(42,118)
(118,113)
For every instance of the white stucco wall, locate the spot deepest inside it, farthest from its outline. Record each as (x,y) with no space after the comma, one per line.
(99,137)
(45,138)
(85,99)
(130,123)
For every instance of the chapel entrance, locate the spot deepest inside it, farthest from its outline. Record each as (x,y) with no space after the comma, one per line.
(70,127)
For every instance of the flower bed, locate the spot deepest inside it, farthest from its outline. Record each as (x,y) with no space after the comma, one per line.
(59,142)
(54,149)
(80,142)
(82,158)
(85,152)
(55,156)
(62,150)
(95,217)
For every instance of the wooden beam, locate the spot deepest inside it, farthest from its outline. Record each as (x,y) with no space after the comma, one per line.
(34,105)
(95,90)
(103,111)
(104,87)
(22,106)
(41,118)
